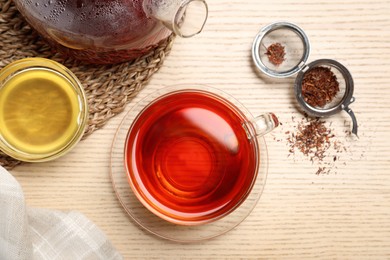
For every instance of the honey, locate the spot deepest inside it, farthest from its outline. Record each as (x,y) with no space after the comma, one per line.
(41,113)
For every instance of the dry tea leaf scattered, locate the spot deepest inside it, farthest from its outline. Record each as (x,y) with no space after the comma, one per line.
(316,141)
(313,139)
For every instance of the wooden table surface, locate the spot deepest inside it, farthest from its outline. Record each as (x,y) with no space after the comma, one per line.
(344,213)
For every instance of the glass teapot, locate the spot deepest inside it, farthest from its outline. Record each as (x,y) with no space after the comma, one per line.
(112,31)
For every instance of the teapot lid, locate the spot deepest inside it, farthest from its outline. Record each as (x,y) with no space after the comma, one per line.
(280,49)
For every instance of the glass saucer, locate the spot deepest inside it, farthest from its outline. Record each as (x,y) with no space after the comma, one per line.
(162,228)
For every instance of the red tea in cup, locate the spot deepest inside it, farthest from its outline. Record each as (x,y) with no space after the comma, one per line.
(190,157)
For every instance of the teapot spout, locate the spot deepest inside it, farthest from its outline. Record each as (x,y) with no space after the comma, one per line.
(185,18)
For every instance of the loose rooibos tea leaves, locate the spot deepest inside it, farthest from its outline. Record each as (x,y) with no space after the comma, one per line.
(313,139)
(276,53)
(319,86)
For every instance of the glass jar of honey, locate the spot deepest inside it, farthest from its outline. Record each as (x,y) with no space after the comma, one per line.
(43,110)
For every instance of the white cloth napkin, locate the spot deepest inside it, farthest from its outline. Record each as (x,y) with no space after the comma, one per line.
(31,233)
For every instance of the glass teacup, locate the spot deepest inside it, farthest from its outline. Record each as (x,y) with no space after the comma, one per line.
(192,155)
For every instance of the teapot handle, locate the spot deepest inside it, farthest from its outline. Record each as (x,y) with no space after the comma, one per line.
(185,18)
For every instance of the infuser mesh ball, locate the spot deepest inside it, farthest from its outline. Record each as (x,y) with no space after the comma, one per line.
(291,40)
(289,43)
(282,49)
(324,87)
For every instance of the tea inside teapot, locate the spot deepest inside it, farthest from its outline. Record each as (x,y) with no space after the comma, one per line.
(109,31)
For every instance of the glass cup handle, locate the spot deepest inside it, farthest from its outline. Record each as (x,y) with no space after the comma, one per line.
(265,123)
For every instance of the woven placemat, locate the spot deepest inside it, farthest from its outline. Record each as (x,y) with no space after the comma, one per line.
(108,87)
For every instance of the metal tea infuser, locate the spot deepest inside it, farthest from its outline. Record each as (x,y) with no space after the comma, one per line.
(297,49)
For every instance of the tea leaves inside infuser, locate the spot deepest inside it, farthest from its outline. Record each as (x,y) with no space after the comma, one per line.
(281,50)
(276,53)
(320,86)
